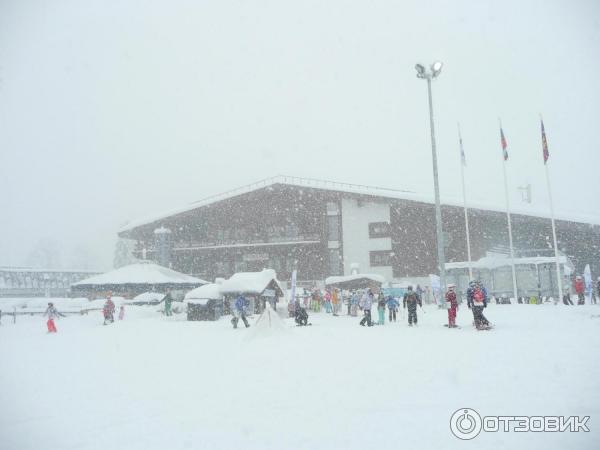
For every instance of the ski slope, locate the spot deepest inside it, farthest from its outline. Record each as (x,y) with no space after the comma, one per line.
(151,382)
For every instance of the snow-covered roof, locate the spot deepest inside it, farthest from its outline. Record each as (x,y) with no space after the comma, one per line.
(148,297)
(208,291)
(358,276)
(493,262)
(141,273)
(250,282)
(351,189)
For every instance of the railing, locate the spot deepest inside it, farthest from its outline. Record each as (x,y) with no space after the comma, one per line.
(254,241)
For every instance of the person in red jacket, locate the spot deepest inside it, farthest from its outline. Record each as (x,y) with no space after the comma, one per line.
(451,297)
(109,310)
(580,289)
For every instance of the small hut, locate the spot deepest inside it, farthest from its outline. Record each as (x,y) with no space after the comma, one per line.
(135,279)
(205,302)
(257,287)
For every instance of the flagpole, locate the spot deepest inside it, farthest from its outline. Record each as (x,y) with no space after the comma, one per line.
(462,177)
(510,239)
(558,277)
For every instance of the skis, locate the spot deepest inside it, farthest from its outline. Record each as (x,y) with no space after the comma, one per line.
(455,326)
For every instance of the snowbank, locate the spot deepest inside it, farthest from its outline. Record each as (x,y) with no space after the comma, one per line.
(333,385)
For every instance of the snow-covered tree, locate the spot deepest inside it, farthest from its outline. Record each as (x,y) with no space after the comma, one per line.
(123,253)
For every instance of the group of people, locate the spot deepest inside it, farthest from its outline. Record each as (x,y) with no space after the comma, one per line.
(331,300)
(579,287)
(109,310)
(410,301)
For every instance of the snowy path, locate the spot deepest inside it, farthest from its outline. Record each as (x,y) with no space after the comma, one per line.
(154,383)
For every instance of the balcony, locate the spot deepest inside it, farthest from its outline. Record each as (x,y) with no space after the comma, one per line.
(250,242)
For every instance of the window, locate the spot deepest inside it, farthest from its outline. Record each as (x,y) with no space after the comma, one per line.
(381,258)
(335,267)
(379,229)
(333,228)
(333,208)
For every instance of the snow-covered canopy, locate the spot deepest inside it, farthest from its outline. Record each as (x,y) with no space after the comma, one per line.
(206,292)
(141,273)
(496,261)
(356,279)
(149,297)
(252,283)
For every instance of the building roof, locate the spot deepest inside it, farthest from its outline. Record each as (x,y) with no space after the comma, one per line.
(356,277)
(141,273)
(250,282)
(208,291)
(494,262)
(349,188)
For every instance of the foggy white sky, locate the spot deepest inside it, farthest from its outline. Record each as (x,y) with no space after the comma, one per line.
(111,111)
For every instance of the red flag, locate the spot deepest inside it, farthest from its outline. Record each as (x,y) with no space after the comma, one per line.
(544,144)
(503,143)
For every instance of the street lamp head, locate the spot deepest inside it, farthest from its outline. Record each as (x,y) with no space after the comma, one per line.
(436,68)
(420,70)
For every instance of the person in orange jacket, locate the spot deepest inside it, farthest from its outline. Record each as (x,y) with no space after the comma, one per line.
(335,301)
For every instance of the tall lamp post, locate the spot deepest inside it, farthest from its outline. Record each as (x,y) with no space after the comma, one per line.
(429,74)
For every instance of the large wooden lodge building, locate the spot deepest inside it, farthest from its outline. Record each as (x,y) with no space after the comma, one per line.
(324,228)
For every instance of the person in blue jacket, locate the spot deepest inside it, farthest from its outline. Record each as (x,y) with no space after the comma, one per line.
(239,311)
(392,305)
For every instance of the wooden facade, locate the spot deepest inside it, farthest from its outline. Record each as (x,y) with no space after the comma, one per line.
(286,227)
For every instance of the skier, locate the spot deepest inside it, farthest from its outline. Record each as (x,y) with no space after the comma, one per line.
(419,291)
(121,312)
(52,313)
(392,305)
(168,299)
(327,302)
(109,310)
(316,300)
(479,302)
(300,315)
(354,301)
(567,297)
(365,304)
(239,311)
(470,291)
(451,297)
(381,309)
(412,299)
(580,289)
(336,299)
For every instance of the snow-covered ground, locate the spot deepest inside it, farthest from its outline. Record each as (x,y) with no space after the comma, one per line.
(151,382)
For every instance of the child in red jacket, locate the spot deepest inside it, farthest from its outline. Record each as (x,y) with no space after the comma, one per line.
(451,297)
